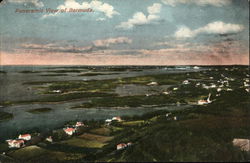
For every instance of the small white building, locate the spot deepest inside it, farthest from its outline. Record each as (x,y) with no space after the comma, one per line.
(152,83)
(79,124)
(121,146)
(198,84)
(175,88)
(219,89)
(213,85)
(49,139)
(108,120)
(243,144)
(129,144)
(168,114)
(165,93)
(196,67)
(25,137)
(205,86)
(70,131)
(117,119)
(185,82)
(56,91)
(15,143)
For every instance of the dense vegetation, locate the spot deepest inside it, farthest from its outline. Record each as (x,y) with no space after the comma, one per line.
(5,116)
(201,133)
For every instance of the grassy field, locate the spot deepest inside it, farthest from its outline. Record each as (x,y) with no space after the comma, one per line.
(101,131)
(82,142)
(94,137)
(28,153)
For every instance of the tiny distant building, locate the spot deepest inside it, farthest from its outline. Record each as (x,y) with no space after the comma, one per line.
(15,143)
(219,89)
(213,86)
(152,83)
(25,137)
(70,131)
(243,144)
(168,114)
(204,102)
(56,91)
(79,124)
(129,144)
(108,120)
(117,119)
(165,93)
(185,82)
(49,139)
(196,67)
(121,146)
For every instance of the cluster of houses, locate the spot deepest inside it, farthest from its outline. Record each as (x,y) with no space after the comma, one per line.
(246,84)
(222,85)
(71,130)
(123,145)
(19,142)
(22,139)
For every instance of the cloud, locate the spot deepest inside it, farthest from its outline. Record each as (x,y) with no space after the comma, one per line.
(105,8)
(154,9)
(109,41)
(96,46)
(140,18)
(217,3)
(217,27)
(36,3)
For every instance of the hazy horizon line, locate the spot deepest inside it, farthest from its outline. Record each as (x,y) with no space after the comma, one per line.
(130,65)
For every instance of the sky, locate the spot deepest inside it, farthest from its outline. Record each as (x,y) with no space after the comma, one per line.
(124,32)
